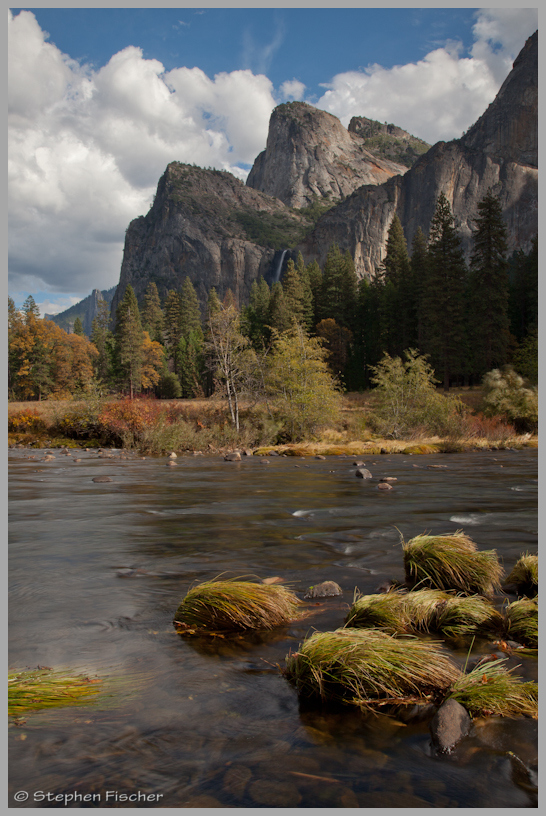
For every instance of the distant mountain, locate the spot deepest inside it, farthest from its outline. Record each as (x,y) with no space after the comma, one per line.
(86,310)
(317,183)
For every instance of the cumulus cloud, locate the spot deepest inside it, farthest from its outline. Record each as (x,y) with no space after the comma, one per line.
(440,96)
(86,149)
(292,89)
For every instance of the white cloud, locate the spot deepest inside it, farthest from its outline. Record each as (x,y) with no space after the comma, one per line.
(86,149)
(292,89)
(440,96)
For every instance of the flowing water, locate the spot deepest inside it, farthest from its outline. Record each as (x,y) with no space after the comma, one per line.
(98,569)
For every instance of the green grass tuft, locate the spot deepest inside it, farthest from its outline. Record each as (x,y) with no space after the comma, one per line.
(369,668)
(522,622)
(36,689)
(234,605)
(451,561)
(492,690)
(524,575)
(425,610)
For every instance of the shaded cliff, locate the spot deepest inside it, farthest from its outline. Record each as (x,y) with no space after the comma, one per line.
(499,151)
(310,155)
(207,225)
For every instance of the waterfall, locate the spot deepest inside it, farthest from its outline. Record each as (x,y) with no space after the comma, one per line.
(277,275)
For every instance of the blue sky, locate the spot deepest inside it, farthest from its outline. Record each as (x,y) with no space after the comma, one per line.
(101,100)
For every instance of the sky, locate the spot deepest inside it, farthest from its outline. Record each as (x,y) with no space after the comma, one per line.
(101,100)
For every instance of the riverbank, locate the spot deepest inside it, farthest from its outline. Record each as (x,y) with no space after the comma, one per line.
(202,426)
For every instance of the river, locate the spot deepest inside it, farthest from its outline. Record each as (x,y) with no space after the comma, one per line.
(97,571)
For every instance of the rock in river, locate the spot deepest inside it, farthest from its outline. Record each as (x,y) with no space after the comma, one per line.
(327,589)
(101,479)
(363,473)
(449,725)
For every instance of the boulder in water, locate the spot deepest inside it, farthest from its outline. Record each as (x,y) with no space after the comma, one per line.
(327,589)
(449,725)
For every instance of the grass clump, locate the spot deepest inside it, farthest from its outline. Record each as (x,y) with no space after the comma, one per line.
(425,610)
(493,690)
(370,668)
(524,575)
(451,562)
(36,689)
(522,622)
(232,605)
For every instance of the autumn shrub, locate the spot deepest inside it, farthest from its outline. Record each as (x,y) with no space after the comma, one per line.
(26,421)
(123,422)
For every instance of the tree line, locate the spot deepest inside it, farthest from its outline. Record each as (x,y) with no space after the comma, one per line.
(468,319)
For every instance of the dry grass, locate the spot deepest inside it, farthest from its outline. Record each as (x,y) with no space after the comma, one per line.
(36,689)
(492,690)
(235,605)
(426,610)
(370,668)
(524,575)
(451,562)
(522,622)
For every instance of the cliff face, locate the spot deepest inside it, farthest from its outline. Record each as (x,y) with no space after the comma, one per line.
(310,155)
(207,225)
(388,141)
(498,152)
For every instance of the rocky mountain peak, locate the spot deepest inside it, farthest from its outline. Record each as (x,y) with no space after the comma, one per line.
(310,155)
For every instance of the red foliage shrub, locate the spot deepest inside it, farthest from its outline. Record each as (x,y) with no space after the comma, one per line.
(130,417)
(492,428)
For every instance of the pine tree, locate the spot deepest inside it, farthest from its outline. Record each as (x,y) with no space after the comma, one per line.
(443,302)
(293,291)
(173,323)
(254,317)
(129,339)
(488,287)
(78,327)
(419,274)
(397,292)
(189,353)
(279,317)
(30,310)
(102,339)
(153,319)
(338,292)
(314,276)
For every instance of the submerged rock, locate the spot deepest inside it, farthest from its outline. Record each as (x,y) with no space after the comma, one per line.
(101,479)
(327,589)
(234,456)
(363,473)
(449,725)
(384,486)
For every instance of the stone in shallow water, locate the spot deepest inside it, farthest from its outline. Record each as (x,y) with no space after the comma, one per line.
(327,589)
(363,473)
(101,479)
(449,725)
(384,486)
(234,456)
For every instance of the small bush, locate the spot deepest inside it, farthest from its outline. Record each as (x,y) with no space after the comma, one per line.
(506,394)
(27,421)
(169,386)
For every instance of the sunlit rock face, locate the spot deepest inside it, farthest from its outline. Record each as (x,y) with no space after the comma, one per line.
(310,156)
(499,151)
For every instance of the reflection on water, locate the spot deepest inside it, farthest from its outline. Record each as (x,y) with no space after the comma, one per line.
(98,569)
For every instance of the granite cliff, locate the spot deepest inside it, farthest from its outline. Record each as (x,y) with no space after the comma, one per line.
(208,225)
(86,310)
(500,151)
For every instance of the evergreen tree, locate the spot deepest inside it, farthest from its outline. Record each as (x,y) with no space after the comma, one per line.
(397,292)
(190,354)
(78,327)
(419,273)
(523,292)
(102,339)
(444,331)
(279,317)
(173,323)
(338,292)
(307,299)
(153,319)
(293,291)
(129,339)
(30,310)
(314,276)
(213,303)
(255,316)
(488,287)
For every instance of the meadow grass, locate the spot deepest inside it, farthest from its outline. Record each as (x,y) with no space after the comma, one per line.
(235,605)
(522,622)
(36,689)
(493,690)
(451,561)
(524,575)
(370,668)
(425,610)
